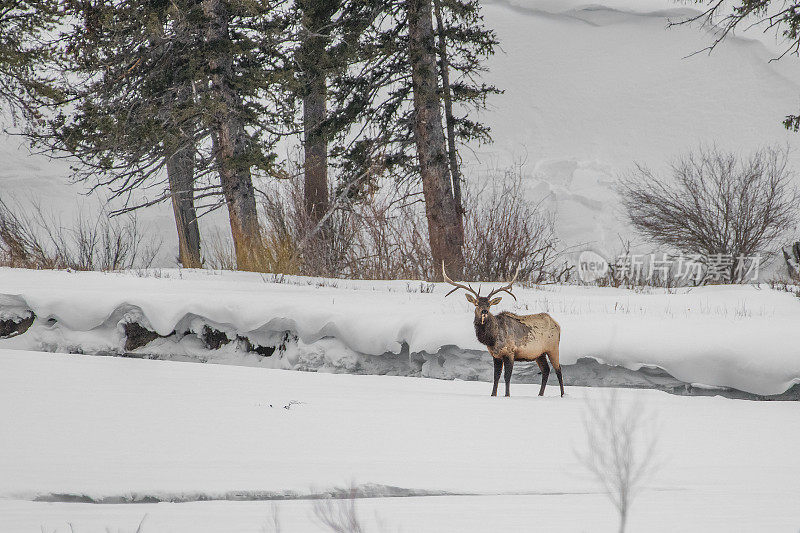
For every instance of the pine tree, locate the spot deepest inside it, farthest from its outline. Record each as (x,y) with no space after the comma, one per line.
(447,100)
(233,147)
(314,64)
(128,112)
(328,34)
(180,146)
(380,93)
(245,110)
(184,86)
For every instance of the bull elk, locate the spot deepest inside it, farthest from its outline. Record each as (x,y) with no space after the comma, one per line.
(511,337)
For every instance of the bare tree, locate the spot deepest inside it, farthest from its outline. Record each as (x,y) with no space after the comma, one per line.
(715,203)
(620,450)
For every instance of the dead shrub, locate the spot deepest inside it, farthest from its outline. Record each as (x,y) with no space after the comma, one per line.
(384,235)
(378,237)
(504,230)
(339,515)
(32,238)
(393,239)
(295,243)
(275,253)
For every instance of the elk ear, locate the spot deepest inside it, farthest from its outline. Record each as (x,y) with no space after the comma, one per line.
(470,299)
(495,301)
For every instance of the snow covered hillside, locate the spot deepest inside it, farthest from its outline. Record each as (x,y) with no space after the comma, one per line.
(592,88)
(686,340)
(589,89)
(80,429)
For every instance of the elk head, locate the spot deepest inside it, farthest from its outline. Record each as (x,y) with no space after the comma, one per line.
(481,303)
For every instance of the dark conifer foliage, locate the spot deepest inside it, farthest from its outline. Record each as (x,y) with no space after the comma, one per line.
(354,75)
(376,92)
(23,24)
(387,106)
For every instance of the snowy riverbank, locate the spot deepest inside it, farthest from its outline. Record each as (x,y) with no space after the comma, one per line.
(739,337)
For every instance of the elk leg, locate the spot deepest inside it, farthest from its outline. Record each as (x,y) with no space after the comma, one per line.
(498,367)
(553,356)
(560,379)
(509,366)
(545,368)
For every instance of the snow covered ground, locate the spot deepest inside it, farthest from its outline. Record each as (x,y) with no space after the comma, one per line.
(115,429)
(741,337)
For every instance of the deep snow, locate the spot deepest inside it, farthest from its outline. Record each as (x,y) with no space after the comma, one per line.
(104,427)
(743,337)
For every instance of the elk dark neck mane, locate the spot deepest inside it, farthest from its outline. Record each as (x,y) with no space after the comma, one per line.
(486,332)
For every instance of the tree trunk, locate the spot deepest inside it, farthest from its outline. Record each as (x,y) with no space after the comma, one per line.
(444,68)
(444,220)
(230,141)
(316,153)
(180,172)
(316,17)
(179,146)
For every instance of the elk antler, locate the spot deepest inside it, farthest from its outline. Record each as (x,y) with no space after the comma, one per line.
(506,288)
(457,285)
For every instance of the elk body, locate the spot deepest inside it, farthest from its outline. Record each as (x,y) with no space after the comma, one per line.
(511,337)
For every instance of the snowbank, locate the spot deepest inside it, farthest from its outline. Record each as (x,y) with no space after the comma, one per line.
(738,337)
